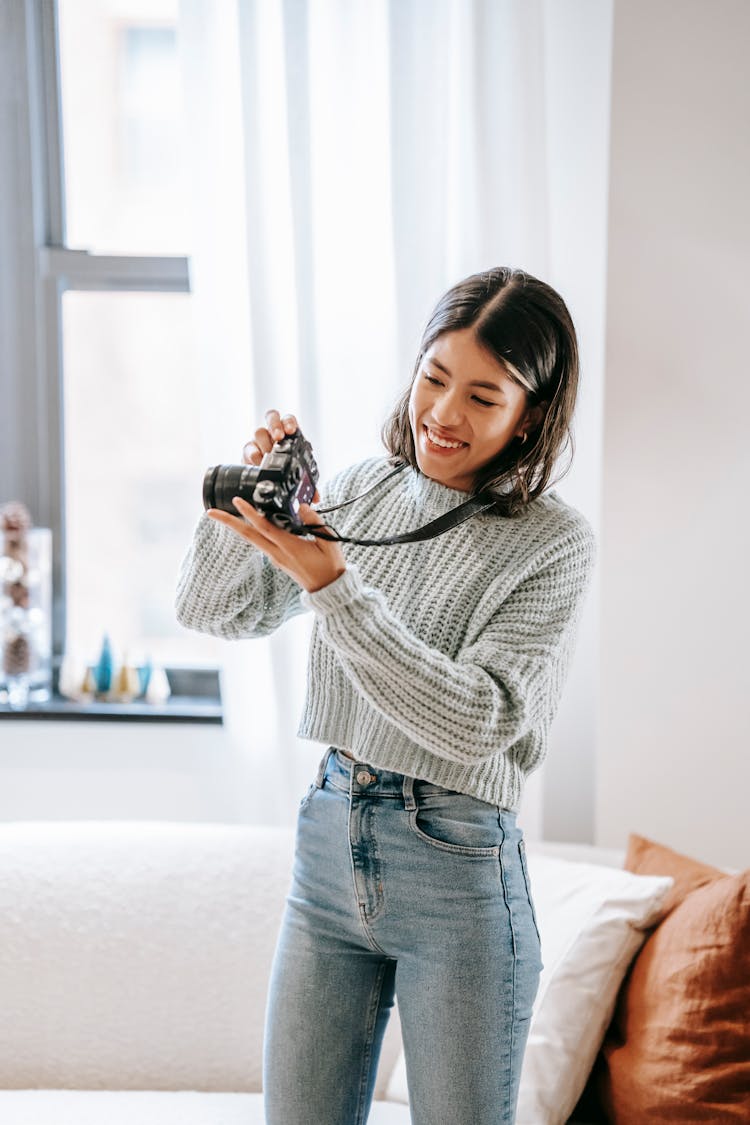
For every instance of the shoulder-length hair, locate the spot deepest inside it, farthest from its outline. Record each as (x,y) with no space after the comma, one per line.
(521,320)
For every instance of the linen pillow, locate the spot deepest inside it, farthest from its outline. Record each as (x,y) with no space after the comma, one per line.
(644,857)
(592,921)
(679,1046)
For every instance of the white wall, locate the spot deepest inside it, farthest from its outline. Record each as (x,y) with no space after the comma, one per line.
(558,802)
(674,735)
(133,771)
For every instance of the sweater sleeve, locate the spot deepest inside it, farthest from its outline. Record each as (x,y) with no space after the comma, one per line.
(228,588)
(505,681)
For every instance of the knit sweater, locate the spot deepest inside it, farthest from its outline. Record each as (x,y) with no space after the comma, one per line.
(443,660)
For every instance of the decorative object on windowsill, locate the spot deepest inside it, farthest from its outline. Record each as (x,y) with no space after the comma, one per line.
(70,678)
(128,682)
(25,608)
(88,687)
(158,690)
(144,675)
(103,668)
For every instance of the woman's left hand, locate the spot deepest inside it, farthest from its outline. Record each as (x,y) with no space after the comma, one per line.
(313,563)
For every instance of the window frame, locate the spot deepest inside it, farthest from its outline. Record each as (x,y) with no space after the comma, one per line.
(32,450)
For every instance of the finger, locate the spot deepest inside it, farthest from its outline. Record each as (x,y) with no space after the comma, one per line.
(235,523)
(250,531)
(258,521)
(316,497)
(311,518)
(309,515)
(289,423)
(273,421)
(264,439)
(252,454)
(280,545)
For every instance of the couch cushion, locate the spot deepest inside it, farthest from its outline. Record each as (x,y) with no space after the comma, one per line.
(645,857)
(679,1046)
(98,1107)
(136,955)
(592,920)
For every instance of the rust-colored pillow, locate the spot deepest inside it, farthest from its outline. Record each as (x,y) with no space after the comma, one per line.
(644,857)
(678,1048)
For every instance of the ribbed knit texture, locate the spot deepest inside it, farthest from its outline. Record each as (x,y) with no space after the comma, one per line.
(444,660)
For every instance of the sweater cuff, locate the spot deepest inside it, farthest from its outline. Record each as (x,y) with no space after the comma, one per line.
(338,594)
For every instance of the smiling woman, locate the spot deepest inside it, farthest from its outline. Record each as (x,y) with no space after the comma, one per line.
(435,670)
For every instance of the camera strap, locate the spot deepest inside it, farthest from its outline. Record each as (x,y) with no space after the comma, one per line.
(354,499)
(439,526)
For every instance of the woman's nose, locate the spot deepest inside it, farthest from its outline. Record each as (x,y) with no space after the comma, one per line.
(447,410)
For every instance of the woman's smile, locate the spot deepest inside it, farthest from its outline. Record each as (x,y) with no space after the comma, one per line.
(441,444)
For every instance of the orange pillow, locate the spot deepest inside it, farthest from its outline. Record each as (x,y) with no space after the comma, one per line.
(678,1048)
(644,857)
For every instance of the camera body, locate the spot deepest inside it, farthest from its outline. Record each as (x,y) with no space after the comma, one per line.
(285,478)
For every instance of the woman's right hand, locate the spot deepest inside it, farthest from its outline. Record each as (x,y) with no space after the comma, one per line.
(276,428)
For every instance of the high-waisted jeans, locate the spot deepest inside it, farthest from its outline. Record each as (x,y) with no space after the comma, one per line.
(401,886)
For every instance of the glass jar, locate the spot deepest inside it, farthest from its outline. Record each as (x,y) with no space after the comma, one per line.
(26,617)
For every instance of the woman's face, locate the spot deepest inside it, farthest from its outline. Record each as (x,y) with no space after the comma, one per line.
(463,409)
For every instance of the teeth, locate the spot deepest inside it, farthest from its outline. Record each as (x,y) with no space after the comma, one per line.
(442,442)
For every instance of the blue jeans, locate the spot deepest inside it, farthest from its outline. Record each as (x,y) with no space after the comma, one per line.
(400,886)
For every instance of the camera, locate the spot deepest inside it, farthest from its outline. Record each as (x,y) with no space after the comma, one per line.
(285,478)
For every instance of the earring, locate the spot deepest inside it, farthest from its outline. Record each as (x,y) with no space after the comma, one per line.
(524,438)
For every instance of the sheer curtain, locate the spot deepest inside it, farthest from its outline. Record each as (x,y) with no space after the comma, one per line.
(351,160)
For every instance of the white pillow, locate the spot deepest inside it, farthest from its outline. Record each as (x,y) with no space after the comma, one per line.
(592,921)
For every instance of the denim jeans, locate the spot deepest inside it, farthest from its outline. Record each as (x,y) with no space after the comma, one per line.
(400,886)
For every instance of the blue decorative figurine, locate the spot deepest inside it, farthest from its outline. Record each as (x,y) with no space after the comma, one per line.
(103,669)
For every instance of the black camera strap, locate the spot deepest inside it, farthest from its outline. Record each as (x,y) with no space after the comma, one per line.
(354,499)
(436,527)
(439,526)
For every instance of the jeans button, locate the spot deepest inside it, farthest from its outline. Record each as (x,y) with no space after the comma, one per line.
(363,777)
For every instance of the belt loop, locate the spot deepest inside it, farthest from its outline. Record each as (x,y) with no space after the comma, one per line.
(320,779)
(409,803)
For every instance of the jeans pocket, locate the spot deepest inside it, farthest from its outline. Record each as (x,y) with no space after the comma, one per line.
(307,797)
(456,822)
(527,881)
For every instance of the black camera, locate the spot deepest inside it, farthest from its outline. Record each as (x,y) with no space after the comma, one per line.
(285,478)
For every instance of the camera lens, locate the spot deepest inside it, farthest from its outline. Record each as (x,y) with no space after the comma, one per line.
(222,482)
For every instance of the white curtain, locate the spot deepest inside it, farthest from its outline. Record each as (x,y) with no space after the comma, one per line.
(352,159)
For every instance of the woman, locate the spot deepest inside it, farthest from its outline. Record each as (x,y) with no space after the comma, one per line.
(435,671)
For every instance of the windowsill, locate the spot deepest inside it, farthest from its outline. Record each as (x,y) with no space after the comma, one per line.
(196,698)
(180,709)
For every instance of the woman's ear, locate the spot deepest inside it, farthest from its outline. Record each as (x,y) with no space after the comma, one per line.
(533,418)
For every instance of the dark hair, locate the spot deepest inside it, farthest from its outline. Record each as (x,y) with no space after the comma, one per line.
(520,319)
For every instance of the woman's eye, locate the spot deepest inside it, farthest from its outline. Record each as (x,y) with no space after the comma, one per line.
(483,401)
(433,380)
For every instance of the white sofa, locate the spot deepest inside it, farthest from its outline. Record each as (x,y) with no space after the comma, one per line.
(134,959)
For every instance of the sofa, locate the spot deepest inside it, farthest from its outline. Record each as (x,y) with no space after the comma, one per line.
(134,959)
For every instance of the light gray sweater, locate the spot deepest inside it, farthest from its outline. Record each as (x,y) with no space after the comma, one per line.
(444,660)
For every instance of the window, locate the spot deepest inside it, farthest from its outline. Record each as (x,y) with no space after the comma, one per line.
(122,127)
(125,397)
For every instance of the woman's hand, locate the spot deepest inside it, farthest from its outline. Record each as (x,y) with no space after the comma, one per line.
(313,563)
(276,429)
(263,439)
